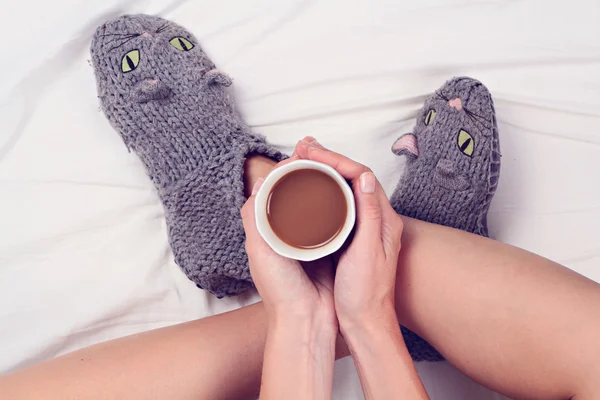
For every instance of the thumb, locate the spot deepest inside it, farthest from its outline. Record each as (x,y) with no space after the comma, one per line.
(256,247)
(368,209)
(277,278)
(253,239)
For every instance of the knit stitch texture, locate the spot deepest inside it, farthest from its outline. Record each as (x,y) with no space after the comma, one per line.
(165,98)
(452,170)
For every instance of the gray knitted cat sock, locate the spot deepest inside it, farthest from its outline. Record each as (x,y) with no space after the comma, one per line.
(167,101)
(452,169)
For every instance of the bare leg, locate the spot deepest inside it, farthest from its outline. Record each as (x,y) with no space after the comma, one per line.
(213,358)
(514,321)
(219,357)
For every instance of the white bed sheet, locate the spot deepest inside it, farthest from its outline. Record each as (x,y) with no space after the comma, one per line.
(83,245)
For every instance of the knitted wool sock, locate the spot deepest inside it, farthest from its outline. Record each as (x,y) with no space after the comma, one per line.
(452,169)
(167,101)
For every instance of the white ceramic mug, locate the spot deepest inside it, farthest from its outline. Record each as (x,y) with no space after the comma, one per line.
(278,245)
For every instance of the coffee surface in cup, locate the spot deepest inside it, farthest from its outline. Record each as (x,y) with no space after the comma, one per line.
(306,208)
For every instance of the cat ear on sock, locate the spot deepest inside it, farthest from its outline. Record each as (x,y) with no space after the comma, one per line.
(216,77)
(406,145)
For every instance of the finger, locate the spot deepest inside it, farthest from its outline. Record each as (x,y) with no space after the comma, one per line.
(291,158)
(309,139)
(391,234)
(368,212)
(256,246)
(372,203)
(347,167)
(248,219)
(303,144)
(288,160)
(321,271)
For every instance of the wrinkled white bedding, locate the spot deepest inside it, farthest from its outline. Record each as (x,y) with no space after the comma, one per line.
(83,245)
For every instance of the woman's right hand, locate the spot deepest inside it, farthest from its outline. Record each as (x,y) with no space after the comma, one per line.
(365,278)
(365,284)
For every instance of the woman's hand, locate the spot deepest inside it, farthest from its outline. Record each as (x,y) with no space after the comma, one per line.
(366,272)
(300,347)
(365,283)
(286,286)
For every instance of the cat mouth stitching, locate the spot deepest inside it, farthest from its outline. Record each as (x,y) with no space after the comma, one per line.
(447,176)
(150,90)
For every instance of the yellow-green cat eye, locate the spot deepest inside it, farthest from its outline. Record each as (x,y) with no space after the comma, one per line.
(130,61)
(466,144)
(429,117)
(181,43)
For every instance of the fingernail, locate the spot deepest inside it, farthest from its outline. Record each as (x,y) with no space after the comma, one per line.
(367,182)
(257,186)
(312,143)
(311,140)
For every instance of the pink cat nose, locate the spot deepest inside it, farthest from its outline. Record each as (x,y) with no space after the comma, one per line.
(146,35)
(456,103)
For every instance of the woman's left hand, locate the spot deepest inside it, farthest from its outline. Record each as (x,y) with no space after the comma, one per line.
(287,287)
(302,324)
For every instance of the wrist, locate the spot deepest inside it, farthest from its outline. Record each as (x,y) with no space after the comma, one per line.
(311,342)
(373,338)
(299,353)
(376,321)
(308,325)
(383,362)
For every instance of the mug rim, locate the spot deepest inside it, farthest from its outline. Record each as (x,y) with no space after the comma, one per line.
(264,227)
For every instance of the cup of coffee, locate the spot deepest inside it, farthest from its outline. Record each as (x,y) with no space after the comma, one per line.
(305,210)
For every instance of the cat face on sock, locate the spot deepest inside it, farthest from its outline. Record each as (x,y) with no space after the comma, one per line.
(140,59)
(453,136)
